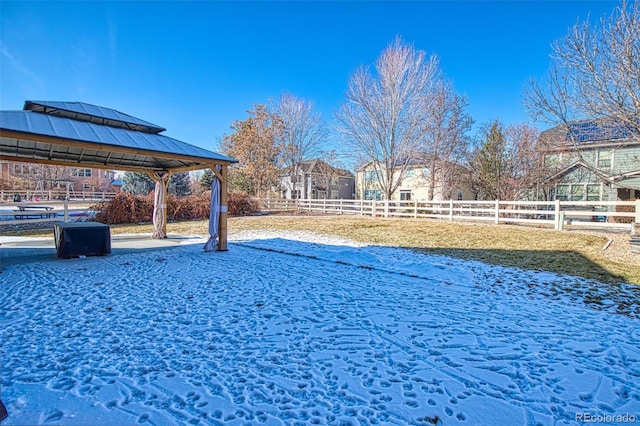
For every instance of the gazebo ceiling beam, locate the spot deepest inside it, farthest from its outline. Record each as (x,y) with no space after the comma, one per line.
(124,168)
(19,136)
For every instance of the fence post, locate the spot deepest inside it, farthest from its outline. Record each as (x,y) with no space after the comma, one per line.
(66,209)
(415,209)
(373,208)
(451,209)
(637,218)
(497,214)
(556,215)
(341,207)
(386,208)
(361,207)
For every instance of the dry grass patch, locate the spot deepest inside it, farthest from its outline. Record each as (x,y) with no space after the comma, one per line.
(574,253)
(528,248)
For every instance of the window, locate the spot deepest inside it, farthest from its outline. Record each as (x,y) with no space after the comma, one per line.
(604,159)
(594,192)
(562,192)
(410,173)
(405,195)
(335,194)
(577,192)
(370,176)
(80,172)
(372,194)
(24,169)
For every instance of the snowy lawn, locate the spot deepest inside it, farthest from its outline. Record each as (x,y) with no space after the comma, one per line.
(293,328)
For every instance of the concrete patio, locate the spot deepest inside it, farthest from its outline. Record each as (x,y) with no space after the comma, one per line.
(18,250)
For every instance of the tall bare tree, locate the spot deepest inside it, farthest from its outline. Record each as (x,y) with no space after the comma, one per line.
(255,144)
(384,115)
(446,142)
(303,131)
(526,165)
(594,73)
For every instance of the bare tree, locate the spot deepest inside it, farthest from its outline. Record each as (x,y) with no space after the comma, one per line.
(445,141)
(303,131)
(527,169)
(594,73)
(383,118)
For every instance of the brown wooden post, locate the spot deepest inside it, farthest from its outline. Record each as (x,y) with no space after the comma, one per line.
(224,200)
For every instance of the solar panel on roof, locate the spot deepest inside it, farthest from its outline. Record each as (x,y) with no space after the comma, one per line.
(592,131)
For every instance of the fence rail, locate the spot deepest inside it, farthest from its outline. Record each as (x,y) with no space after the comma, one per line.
(556,214)
(51,195)
(41,212)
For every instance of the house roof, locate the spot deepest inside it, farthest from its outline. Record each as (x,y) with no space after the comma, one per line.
(420,159)
(72,133)
(629,180)
(579,164)
(319,166)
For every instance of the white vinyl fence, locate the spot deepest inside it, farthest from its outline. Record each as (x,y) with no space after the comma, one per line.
(556,214)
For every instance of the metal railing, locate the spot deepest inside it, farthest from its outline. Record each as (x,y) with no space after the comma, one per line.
(556,214)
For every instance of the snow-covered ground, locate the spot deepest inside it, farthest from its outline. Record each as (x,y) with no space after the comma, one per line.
(293,328)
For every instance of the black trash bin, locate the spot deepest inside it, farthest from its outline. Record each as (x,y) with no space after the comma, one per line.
(17,198)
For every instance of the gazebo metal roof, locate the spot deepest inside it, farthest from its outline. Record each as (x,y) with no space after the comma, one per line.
(73,133)
(95,114)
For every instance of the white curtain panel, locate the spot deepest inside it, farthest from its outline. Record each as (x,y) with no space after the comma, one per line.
(214,214)
(159,205)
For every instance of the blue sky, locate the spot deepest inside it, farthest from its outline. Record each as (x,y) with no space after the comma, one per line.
(195,67)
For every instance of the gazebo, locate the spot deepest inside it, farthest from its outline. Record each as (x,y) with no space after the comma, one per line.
(75,133)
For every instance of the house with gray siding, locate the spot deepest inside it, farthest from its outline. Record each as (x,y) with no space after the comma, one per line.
(316,179)
(591,160)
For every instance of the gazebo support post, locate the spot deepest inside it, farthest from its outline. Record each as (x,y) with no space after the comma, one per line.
(224,200)
(160,204)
